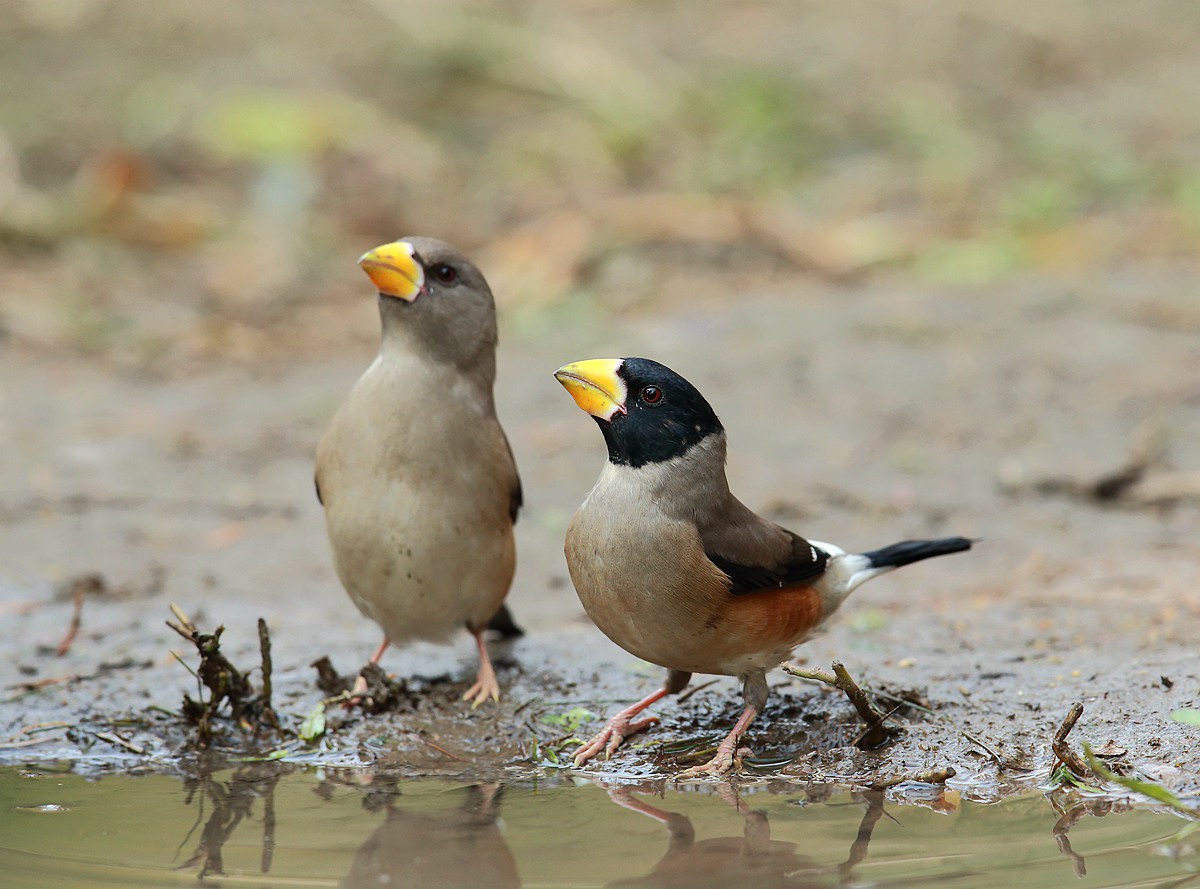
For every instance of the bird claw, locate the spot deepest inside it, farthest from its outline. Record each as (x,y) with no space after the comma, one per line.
(357,695)
(611,736)
(485,687)
(717,767)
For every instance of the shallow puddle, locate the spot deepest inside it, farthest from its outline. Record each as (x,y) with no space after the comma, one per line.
(272,825)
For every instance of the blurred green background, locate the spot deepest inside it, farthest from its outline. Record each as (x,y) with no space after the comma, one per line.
(187,182)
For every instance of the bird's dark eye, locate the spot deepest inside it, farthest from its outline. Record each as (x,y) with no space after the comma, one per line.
(652,395)
(444,273)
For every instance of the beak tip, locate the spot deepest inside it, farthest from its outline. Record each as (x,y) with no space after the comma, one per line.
(595,386)
(394,271)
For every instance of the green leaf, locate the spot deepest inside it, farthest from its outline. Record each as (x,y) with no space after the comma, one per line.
(313,726)
(571,720)
(1145,788)
(1187,716)
(1064,776)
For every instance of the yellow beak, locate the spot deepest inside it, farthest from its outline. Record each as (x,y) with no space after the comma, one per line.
(393,269)
(595,386)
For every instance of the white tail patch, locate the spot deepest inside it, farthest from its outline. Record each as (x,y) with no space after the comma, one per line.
(845,573)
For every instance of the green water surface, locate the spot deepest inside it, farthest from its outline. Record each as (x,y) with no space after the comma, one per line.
(270,826)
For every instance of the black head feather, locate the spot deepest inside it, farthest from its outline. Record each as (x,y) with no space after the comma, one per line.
(664,416)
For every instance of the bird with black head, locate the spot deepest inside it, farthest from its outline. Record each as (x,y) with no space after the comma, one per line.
(676,570)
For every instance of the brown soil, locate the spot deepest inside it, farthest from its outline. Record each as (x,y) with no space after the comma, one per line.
(857,415)
(926,290)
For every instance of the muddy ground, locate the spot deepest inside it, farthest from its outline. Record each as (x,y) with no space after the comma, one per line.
(858,414)
(934,265)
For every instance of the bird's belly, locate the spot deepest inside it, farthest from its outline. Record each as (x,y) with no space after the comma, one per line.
(727,645)
(675,611)
(654,605)
(420,563)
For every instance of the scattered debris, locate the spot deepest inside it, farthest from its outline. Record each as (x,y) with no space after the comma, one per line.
(77,588)
(1146,788)
(933,776)
(36,685)
(383,694)
(329,681)
(33,686)
(996,757)
(553,751)
(435,747)
(40,732)
(1137,482)
(876,733)
(685,750)
(1110,749)
(907,699)
(571,720)
(1066,756)
(696,688)
(114,738)
(94,585)
(250,711)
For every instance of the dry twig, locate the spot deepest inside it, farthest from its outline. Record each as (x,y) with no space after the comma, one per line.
(1062,749)
(982,746)
(79,588)
(432,746)
(114,738)
(1139,481)
(695,688)
(225,682)
(876,732)
(932,776)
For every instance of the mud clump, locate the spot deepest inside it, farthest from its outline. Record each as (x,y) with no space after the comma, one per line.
(382,694)
(250,710)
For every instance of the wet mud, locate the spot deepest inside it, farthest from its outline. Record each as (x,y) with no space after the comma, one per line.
(845,425)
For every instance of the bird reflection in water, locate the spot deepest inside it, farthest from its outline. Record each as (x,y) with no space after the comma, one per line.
(751,860)
(457,848)
(464,846)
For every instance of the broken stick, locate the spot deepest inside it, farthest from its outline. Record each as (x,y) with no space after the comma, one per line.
(1062,749)
(876,732)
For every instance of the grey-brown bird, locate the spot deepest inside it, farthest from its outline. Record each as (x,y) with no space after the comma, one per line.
(415,473)
(431,847)
(675,569)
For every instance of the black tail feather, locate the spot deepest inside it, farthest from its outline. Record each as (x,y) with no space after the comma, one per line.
(502,622)
(910,551)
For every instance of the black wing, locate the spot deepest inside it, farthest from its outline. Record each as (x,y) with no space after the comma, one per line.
(516,496)
(804,563)
(516,499)
(502,621)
